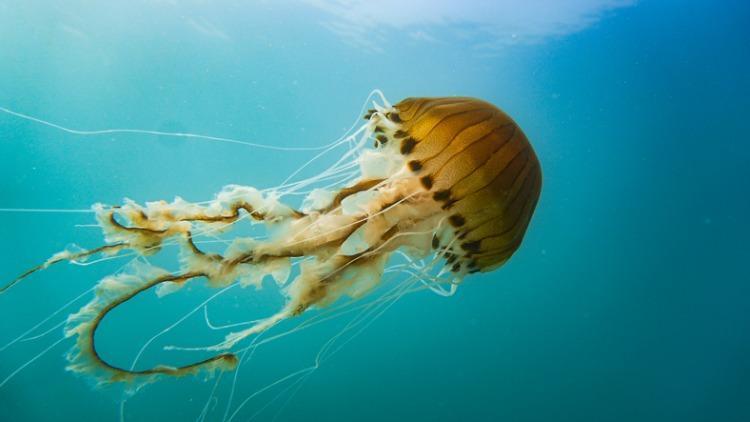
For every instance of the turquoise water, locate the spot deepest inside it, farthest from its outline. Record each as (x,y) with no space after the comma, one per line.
(627,300)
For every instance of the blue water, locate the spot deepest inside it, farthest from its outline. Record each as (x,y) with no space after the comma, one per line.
(628,299)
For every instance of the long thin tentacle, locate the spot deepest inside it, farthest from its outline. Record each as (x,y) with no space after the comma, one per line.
(64,256)
(94,362)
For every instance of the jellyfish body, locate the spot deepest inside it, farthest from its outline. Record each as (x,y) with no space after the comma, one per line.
(455,177)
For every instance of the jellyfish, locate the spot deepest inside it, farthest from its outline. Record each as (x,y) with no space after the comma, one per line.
(453,179)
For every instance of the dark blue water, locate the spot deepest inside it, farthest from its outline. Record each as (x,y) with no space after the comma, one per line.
(628,299)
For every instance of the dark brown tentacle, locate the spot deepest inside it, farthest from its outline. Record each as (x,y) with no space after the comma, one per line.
(121,373)
(230,217)
(71,257)
(345,192)
(234,214)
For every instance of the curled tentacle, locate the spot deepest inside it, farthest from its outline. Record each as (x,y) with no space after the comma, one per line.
(85,357)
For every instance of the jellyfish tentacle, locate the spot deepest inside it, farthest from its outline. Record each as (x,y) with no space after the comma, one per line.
(86,358)
(234,214)
(146,228)
(64,255)
(361,186)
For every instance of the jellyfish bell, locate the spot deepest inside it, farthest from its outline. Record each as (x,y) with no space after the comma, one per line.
(452,180)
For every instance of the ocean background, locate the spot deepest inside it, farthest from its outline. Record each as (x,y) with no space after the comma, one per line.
(628,300)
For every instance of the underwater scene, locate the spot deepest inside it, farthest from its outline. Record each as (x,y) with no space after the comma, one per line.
(348,210)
